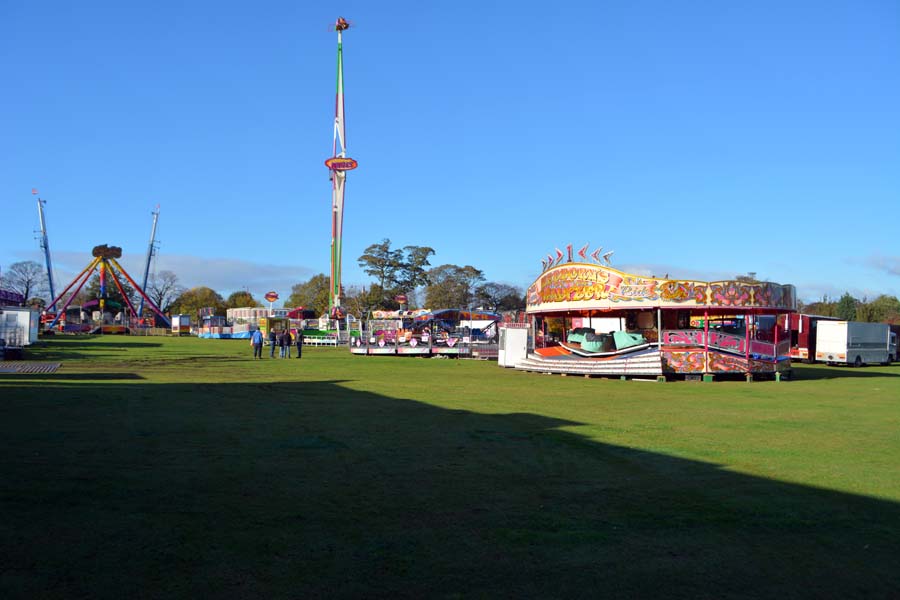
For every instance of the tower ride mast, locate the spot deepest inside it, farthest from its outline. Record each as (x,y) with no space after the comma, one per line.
(45,246)
(151,250)
(339,164)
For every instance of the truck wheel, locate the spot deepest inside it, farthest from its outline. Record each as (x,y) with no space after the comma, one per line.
(858,362)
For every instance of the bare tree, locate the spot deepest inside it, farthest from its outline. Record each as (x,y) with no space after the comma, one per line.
(163,288)
(27,278)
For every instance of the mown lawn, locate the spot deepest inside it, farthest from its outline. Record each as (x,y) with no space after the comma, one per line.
(158,467)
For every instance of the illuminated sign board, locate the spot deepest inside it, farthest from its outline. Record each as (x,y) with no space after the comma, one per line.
(338,163)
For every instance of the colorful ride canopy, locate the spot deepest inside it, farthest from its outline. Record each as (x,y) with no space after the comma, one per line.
(585,287)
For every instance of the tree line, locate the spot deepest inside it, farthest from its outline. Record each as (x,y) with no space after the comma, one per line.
(882,309)
(400,276)
(396,273)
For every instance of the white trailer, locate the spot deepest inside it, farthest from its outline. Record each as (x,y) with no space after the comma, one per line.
(181,324)
(513,344)
(855,343)
(19,325)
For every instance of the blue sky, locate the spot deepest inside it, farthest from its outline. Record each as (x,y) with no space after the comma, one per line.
(698,139)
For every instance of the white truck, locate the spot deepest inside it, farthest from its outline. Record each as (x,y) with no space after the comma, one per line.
(855,343)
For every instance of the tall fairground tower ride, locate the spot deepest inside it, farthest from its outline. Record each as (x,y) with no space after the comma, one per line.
(338,164)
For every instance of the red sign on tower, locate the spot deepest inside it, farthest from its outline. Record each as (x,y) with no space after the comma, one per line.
(339,163)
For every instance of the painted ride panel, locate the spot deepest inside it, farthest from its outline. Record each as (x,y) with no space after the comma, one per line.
(755,340)
(588,287)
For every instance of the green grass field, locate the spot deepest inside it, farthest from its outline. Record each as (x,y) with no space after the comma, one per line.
(161,468)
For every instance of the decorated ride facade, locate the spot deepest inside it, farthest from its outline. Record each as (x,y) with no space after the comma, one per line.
(618,323)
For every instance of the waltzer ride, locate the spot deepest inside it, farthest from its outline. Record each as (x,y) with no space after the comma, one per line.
(618,323)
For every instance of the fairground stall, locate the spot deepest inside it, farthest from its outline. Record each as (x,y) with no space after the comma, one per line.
(616,323)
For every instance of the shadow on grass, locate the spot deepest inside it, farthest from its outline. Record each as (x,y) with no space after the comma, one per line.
(50,377)
(316,490)
(817,371)
(95,342)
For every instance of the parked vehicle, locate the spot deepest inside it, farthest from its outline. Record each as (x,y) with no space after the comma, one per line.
(181,324)
(855,343)
(803,336)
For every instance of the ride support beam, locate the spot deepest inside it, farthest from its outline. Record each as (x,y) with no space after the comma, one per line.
(141,292)
(122,291)
(90,267)
(75,293)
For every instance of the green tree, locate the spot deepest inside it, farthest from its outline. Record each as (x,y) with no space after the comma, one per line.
(864,311)
(241,299)
(191,301)
(92,290)
(451,286)
(499,296)
(37,303)
(395,270)
(413,273)
(884,309)
(27,278)
(824,307)
(312,294)
(846,307)
(382,263)
(360,300)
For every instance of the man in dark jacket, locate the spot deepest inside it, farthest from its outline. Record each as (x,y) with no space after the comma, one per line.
(272,339)
(299,339)
(288,340)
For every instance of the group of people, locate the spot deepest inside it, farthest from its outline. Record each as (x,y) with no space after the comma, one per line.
(277,339)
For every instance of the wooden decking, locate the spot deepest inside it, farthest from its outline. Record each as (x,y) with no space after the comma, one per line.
(27,366)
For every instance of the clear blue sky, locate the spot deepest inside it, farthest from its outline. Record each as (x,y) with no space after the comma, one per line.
(698,139)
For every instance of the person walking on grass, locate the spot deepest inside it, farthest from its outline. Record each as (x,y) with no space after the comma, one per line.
(272,344)
(281,343)
(299,340)
(288,340)
(256,340)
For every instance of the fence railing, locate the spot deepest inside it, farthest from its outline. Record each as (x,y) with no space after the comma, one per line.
(150,331)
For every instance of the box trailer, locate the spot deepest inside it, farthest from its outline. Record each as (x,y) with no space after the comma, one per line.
(19,326)
(803,336)
(855,343)
(181,324)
